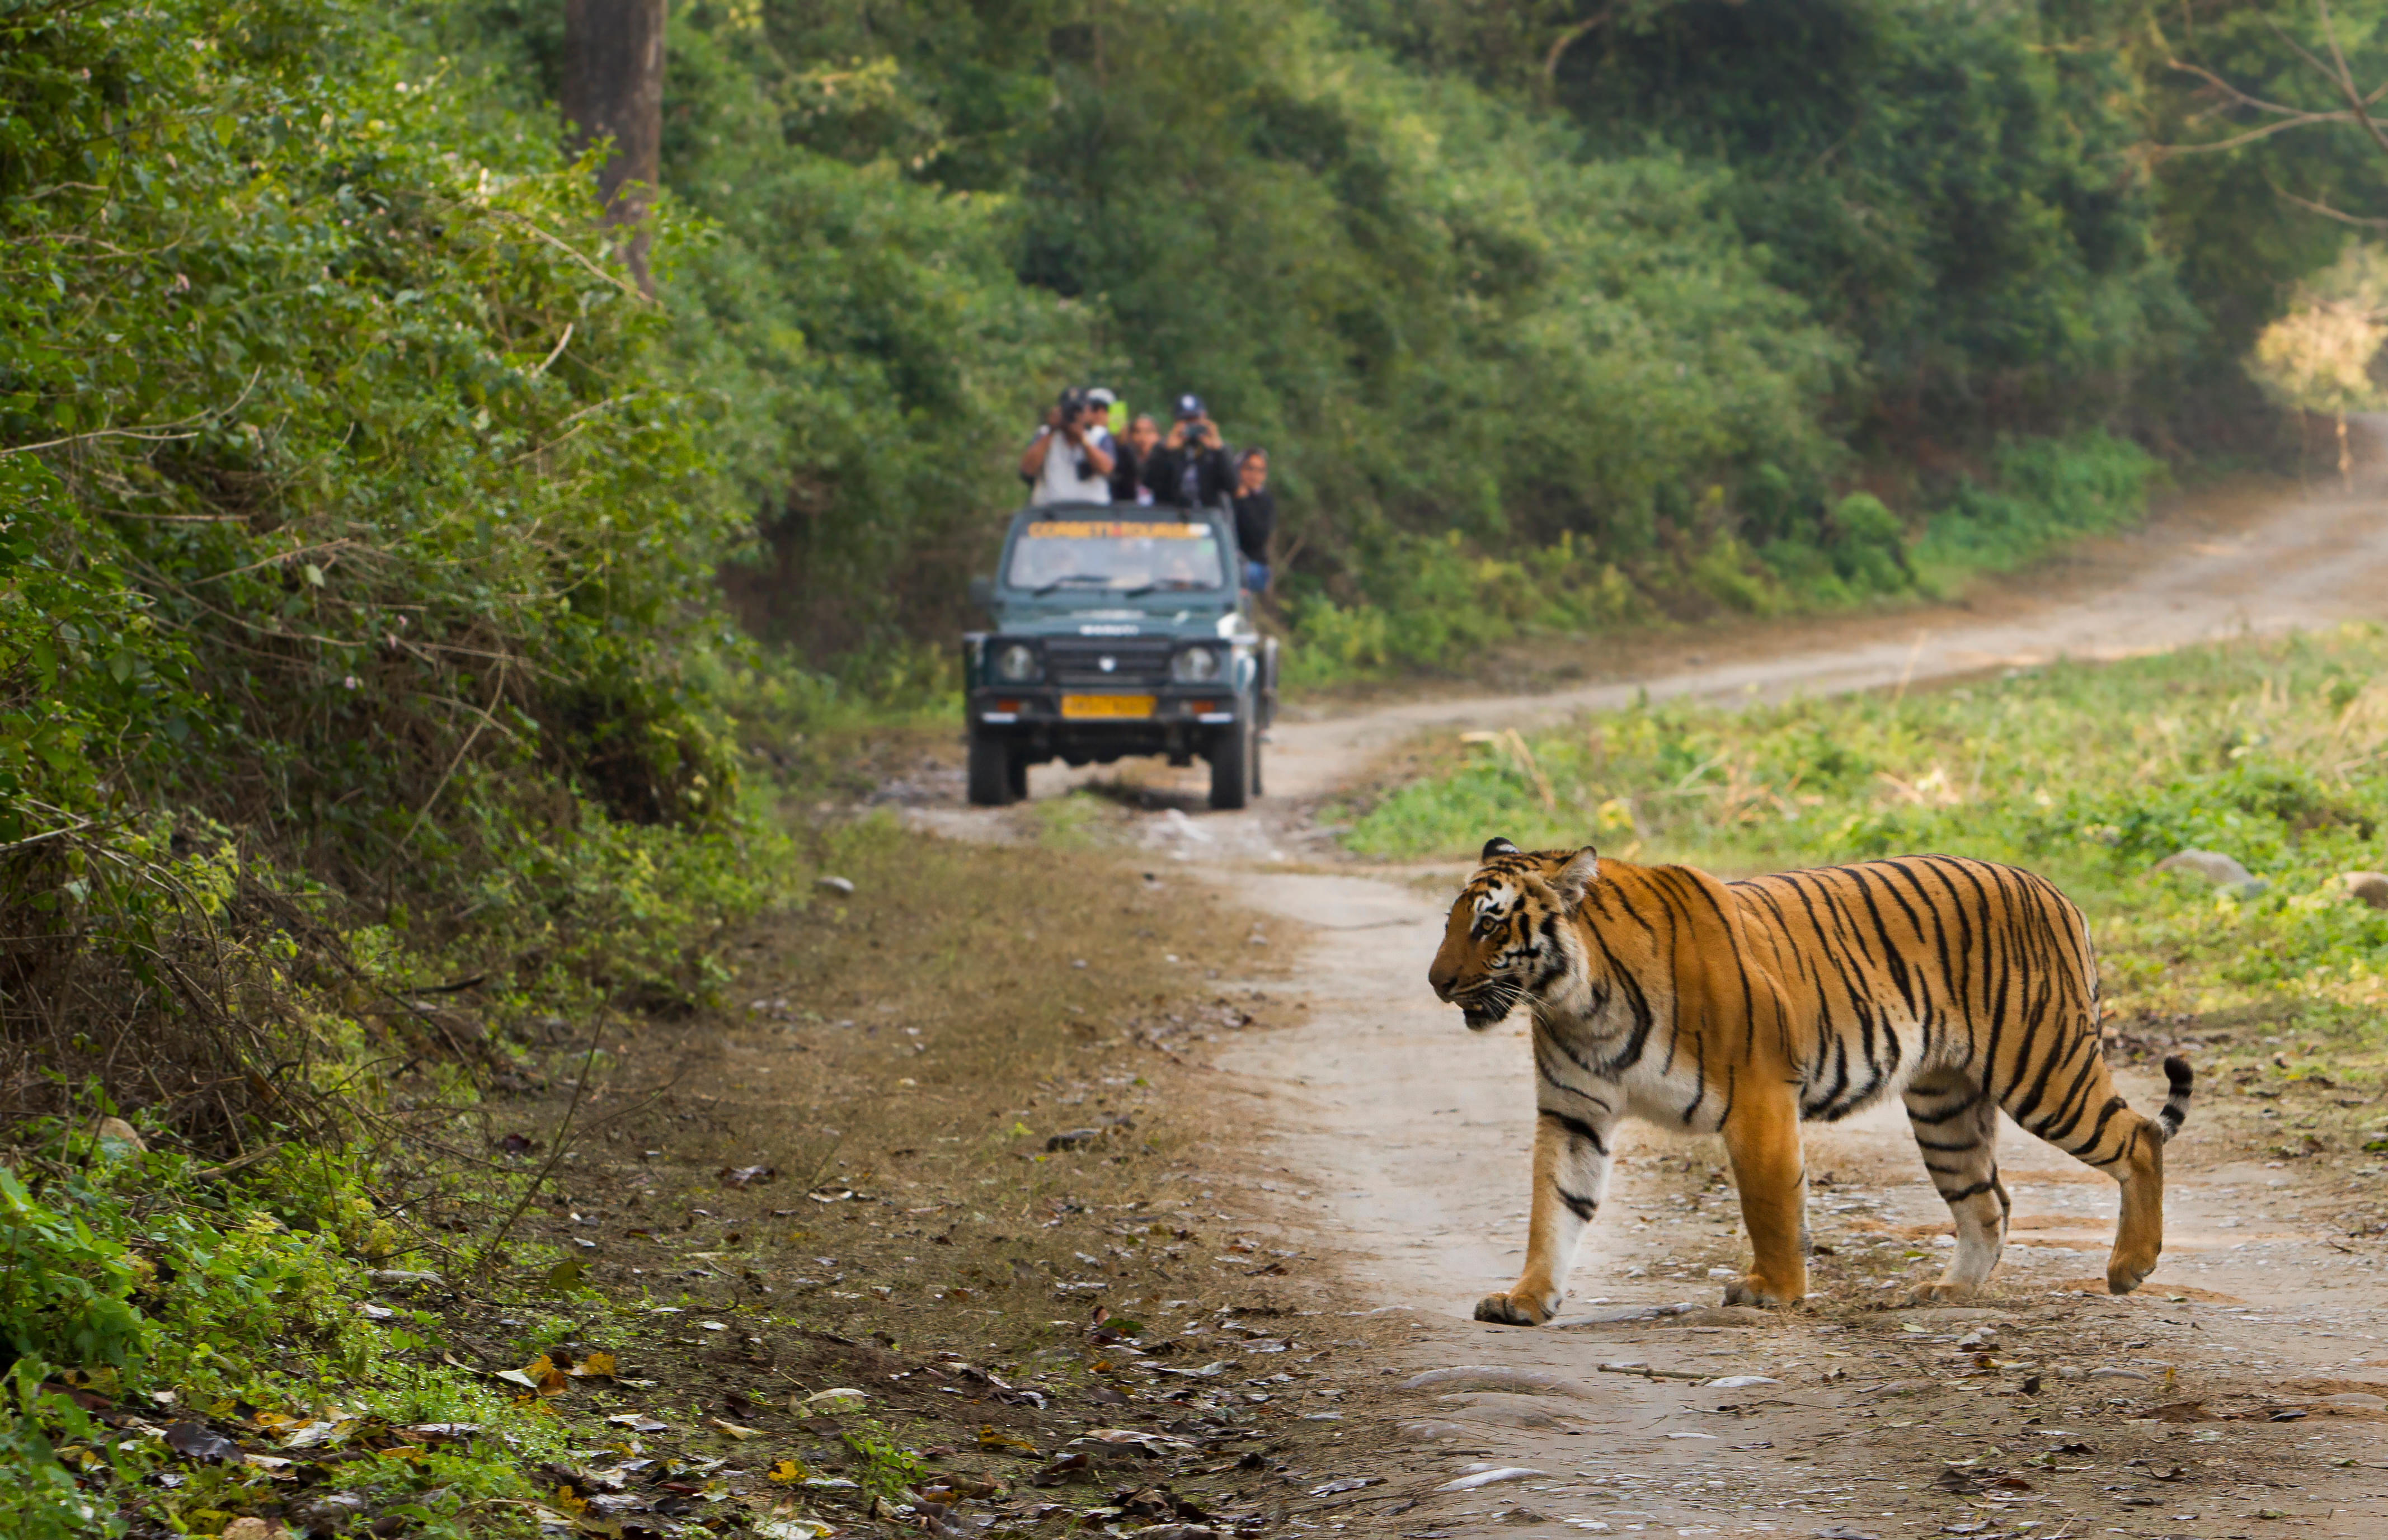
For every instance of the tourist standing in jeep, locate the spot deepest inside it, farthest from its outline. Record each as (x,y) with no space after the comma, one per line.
(1067,461)
(1189,468)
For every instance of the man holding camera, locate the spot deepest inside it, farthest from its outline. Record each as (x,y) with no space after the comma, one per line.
(1189,468)
(1068,461)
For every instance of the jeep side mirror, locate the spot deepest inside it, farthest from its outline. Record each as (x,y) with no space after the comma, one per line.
(982,592)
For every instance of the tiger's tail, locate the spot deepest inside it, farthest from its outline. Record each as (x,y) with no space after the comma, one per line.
(2175,1107)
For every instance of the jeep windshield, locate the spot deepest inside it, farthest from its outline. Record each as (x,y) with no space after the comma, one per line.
(1121,558)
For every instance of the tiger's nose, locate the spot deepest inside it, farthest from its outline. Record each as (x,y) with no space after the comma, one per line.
(1442,979)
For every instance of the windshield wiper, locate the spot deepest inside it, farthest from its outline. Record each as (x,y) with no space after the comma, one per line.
(1073,577)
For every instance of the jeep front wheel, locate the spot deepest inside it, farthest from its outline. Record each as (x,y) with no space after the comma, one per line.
(991,778)
(1231,766)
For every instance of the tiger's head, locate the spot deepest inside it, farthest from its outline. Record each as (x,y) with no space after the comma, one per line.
(1507,936)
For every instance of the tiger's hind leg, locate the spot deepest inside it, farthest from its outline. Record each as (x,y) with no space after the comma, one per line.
(2081,1113)
(1956,1124)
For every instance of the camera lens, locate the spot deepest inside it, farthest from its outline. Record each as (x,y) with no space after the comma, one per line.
(1196,665)
(1016,662)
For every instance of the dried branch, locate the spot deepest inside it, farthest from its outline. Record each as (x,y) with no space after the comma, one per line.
(2324,210)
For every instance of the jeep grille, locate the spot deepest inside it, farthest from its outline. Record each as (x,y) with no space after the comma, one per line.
(1135,659)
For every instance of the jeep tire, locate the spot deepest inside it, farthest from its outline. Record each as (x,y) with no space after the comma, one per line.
(991,772)
(1233,773)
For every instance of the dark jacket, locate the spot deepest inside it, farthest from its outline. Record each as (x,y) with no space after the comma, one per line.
(1164,471)
(1255,520)
(1128,472)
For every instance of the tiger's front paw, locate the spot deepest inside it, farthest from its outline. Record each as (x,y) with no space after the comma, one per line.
(1941,1293)
(1516,1307)
(1755,1290)
(2122,1278)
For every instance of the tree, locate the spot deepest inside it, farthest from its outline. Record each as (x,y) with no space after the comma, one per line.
(2319,357)
(2233,115)
(614,90)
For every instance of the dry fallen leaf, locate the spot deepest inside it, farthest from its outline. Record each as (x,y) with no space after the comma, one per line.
(733,1428)
(542,1375)
(595,1364)
(837,1399)
(989,1437)
(787,1472)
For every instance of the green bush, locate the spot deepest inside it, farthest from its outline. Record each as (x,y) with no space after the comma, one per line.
(1437,602)
(357,542)
(127,1274)
(2046,491)
(64,1294)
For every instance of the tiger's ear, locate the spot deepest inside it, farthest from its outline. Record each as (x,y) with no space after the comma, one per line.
(1496,846)
(1570,882)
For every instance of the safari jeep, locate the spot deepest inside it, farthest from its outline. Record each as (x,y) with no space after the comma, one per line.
(1119,630)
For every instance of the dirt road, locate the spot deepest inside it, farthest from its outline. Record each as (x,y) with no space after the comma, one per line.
(1396,1145)
(1410,1135)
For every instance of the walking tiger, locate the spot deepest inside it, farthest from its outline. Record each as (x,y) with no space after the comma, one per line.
(1746,1008)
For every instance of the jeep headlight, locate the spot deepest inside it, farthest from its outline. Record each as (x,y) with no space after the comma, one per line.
(1195,665)
(1015,663)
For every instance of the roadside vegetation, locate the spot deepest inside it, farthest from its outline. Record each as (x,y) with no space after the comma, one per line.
(356,594)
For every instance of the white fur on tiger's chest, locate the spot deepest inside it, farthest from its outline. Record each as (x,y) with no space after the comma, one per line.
(1655,1087)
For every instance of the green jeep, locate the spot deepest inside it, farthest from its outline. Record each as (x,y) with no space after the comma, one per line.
(1118,630)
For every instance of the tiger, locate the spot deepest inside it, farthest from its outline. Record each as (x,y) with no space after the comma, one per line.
(1745,1008)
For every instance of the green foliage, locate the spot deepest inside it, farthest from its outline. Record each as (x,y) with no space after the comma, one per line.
(887,1466)
(1433,602)
(39,1498)
(1666,281)
(2046,491)
(864,353)
(1438,312)
(1948,187)
(2265,751)
(354,540)
(2232,170)
(129,1274)
(63,1292)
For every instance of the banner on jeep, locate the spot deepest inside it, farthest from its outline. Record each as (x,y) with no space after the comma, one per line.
(1117,555)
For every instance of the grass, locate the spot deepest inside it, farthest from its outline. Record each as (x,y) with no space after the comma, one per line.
(2272,752)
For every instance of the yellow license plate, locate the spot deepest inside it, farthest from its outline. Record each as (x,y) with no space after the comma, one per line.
(1106,705)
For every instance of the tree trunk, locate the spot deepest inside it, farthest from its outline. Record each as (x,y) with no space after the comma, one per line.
(2345,460)
(614,89)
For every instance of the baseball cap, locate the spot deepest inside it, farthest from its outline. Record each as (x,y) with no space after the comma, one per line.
(1072,398)
(1188,406)
(1101,396)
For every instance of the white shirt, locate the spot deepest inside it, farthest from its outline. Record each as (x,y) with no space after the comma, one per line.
(1059,481)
